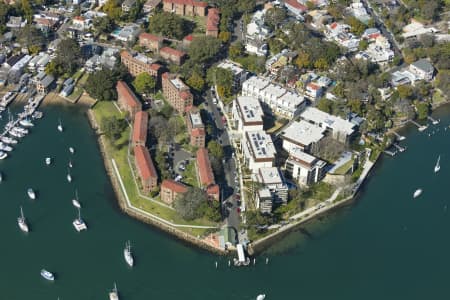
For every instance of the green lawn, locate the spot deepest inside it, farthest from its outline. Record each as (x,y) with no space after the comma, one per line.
(345,168)
(75,94)
(190,174)
(83,79)
(119,151)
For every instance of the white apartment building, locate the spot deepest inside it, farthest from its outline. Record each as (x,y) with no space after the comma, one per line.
(304,168)
(301,135)
(272,179)
(340,129)
(239,74)
(258,149)
(280,101)
(247,114)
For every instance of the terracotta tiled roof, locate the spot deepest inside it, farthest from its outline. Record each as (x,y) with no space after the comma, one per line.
(140,126)
(155,67)
(172,51)
(124,91)
(78,18)
(189,38)
(144,163)
(187,2)
(213,19)
(151,37)
(174,186)
(198,132)
(296,5)
(213,189)
(313,86)
(204,167)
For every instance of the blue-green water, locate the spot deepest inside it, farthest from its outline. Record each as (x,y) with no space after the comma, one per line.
(385,246)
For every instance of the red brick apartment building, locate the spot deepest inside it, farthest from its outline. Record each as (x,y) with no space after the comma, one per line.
(150,41)
(127,100)
(145,168)
(185,7)
(139,63)
(196,128)
(140,127)
(170,189)
(205,174)
(176,93)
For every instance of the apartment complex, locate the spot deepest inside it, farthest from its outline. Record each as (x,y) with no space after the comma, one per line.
(138,63)
(258,149)
(185,7)
(150,5)
(140,127)
(170,189)
(176,93)
(205,174)
(196,128)
(247,114)
(145,169)
(272,181)
(302,135)
(304,168)
(340,129)
(150,41)
(127,100)
(212,22)
(275,98)
(173,55)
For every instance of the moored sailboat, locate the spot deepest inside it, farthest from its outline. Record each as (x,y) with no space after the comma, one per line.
(114,294)
(437,167)
(21,221)
(128,255)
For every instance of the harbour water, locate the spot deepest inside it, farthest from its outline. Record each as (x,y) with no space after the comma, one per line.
(386,245)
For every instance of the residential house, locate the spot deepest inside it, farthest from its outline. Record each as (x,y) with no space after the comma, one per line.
(150,5)
(340,33)
(127,100)
(304,168)
(174,56)
(127,5)
(129,33)
(81,23)
(16,22)
(416,29)
(44,83)
(314,91)
(145,169)
(239,74)
(212,22)
(185,7)
(258,149)
(340,129)
(423,69)
(176,93)
(296,8)
(257,47)
(247,114)
(137,63)
(140,129)
(150,41)
(358,10)
(170,189)
(206,175)
(302,135)
(196,128)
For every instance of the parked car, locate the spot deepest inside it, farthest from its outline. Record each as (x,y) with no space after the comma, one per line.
(181,167)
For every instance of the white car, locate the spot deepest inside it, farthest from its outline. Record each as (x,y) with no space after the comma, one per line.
(178,178)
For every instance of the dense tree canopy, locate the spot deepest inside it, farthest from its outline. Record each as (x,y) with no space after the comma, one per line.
(170,25)
(68,55)
(144,83)
(203,48)
(113,127)
(188,204)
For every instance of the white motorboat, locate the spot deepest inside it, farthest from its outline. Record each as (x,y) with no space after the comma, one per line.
(261,297)
(69,177)
(5,147)
(78,223)
(60,127)
(75,201)
(417,193)
(71,150)
(114,294)
(128,255)
(20,129)
(16,134)
(26,123)
(22,222)
(70,164)
(437,167)
(31,194)
(37,115)
(48,161)
(8,140)
(47,275)
(3,155)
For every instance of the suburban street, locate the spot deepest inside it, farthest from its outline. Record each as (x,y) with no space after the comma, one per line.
(230,184)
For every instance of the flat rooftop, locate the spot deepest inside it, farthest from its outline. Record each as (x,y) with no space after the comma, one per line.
(270,175)
(256,82)
(291,100)
(273,90)
(196,119)
(178,83)
(231,66)
(250,108)
(261,144)
(324,119)
(298,155)
(304,133)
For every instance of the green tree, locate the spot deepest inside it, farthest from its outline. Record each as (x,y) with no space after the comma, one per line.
(30,37)
(225,36)
(187,204)
(363,44)
(54,69)
(274,17)
(215,149)
(144,83)
(104,24)
(357,27)
(170,25)
(27,10)
(68,55)
(423,109)
(196,81)
(325,105)
(303,60)
(113,9)
(203,48)
(235,50)
(113,127)
(405,91)
(211,210)
(101,85)
(223,78)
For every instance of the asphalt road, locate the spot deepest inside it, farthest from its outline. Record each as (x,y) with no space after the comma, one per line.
(229,184)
